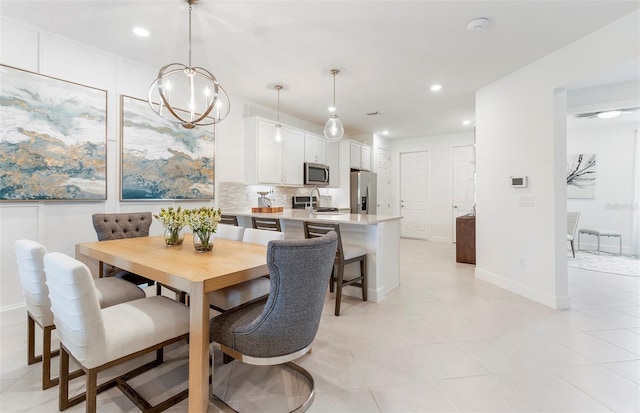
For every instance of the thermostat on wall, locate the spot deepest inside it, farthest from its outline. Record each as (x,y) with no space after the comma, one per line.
(519,182)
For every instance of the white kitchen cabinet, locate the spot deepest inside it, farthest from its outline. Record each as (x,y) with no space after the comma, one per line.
(359,155)
(315,148)
(293,157)
(268,161)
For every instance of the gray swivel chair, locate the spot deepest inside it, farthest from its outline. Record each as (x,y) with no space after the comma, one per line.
(282,327)
(127,225)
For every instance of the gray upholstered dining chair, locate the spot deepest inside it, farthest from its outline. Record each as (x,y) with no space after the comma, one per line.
(346,254)
(127,225)
(282,327)
(30,258)
(99,339)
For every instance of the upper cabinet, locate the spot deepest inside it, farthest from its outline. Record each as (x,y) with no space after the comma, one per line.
(315,148)
(359,155)
(269,161)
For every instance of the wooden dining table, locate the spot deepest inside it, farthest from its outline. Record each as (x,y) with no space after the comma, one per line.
(230,262)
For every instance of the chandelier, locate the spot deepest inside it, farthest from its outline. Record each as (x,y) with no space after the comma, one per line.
(186,95)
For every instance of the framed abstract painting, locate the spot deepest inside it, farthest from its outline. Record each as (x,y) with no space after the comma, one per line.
(53,136)
(161,160)
(581,175)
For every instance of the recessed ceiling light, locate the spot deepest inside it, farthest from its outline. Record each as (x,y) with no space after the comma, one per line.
(141,32)
(478,24)
(610,114)
(466,122)
(385,132)
(435,88)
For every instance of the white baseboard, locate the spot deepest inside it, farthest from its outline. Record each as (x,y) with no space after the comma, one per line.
(553,301)
(11,314)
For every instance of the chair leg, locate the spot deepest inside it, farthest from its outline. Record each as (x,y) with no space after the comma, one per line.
(332,279)
(63,389)
(363,273)
(47,382)
(572,250)
(158,289)
(31,341)
(339,288)
(92,390)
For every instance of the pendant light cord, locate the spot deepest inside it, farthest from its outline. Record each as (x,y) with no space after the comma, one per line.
(190,35)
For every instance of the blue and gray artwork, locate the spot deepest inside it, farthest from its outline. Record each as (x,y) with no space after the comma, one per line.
(52,138)
(162,160)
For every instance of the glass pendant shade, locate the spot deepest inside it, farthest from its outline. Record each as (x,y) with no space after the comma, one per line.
(277,137)
(333,129)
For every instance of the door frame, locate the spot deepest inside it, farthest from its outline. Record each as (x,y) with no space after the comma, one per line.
(452,163)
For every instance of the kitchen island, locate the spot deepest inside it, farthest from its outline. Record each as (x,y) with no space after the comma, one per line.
(377,234)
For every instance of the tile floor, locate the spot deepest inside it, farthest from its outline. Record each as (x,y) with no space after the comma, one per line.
(441,342)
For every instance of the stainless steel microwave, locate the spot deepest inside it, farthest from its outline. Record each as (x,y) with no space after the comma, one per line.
(316,174)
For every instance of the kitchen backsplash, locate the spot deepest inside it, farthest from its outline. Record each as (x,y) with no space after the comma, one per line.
(233,196)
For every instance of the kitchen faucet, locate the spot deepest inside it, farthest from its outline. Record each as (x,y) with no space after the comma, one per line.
(311,199)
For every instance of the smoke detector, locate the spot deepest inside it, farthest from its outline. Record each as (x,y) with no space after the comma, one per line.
(478,24)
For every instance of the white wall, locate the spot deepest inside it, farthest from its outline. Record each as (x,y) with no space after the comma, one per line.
(441,184)
(613,206)
(61,225)
(520,130)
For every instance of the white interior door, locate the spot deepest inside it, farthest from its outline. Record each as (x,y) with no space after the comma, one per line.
(414,195)
(384,182)
(463,173)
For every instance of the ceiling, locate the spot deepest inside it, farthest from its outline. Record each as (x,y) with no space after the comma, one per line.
(388,52)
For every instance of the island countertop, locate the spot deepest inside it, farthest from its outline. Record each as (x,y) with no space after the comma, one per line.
(303,215)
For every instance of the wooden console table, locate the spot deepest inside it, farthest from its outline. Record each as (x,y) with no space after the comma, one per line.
(466,239)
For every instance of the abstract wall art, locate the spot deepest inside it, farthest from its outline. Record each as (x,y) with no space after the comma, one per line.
(581,175)
(53,136)
(161,160)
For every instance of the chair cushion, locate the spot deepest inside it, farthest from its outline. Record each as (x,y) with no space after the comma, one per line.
(235,295)
(136,325)
(112,291)
(350,251)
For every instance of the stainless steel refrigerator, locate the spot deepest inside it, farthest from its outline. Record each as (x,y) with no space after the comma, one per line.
(363,192)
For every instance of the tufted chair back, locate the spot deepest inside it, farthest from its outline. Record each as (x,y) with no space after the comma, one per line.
(122,225)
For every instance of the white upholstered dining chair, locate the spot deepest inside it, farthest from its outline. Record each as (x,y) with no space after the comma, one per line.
(248,291)
(99,339)
(30,255)
(572,225)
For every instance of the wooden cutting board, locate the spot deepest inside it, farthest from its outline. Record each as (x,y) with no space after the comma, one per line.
(267,210)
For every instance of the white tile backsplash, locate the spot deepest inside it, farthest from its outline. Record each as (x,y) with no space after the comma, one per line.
(233,196)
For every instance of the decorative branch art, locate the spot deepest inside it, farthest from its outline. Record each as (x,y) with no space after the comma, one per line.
(581,176)
(161,160)
(53,136)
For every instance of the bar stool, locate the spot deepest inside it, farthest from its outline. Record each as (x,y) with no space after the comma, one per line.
(229,219)
(346,254)
(269,224)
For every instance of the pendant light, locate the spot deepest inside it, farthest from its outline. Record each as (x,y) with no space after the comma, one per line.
(333,129)
(278,135)
(186,95)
